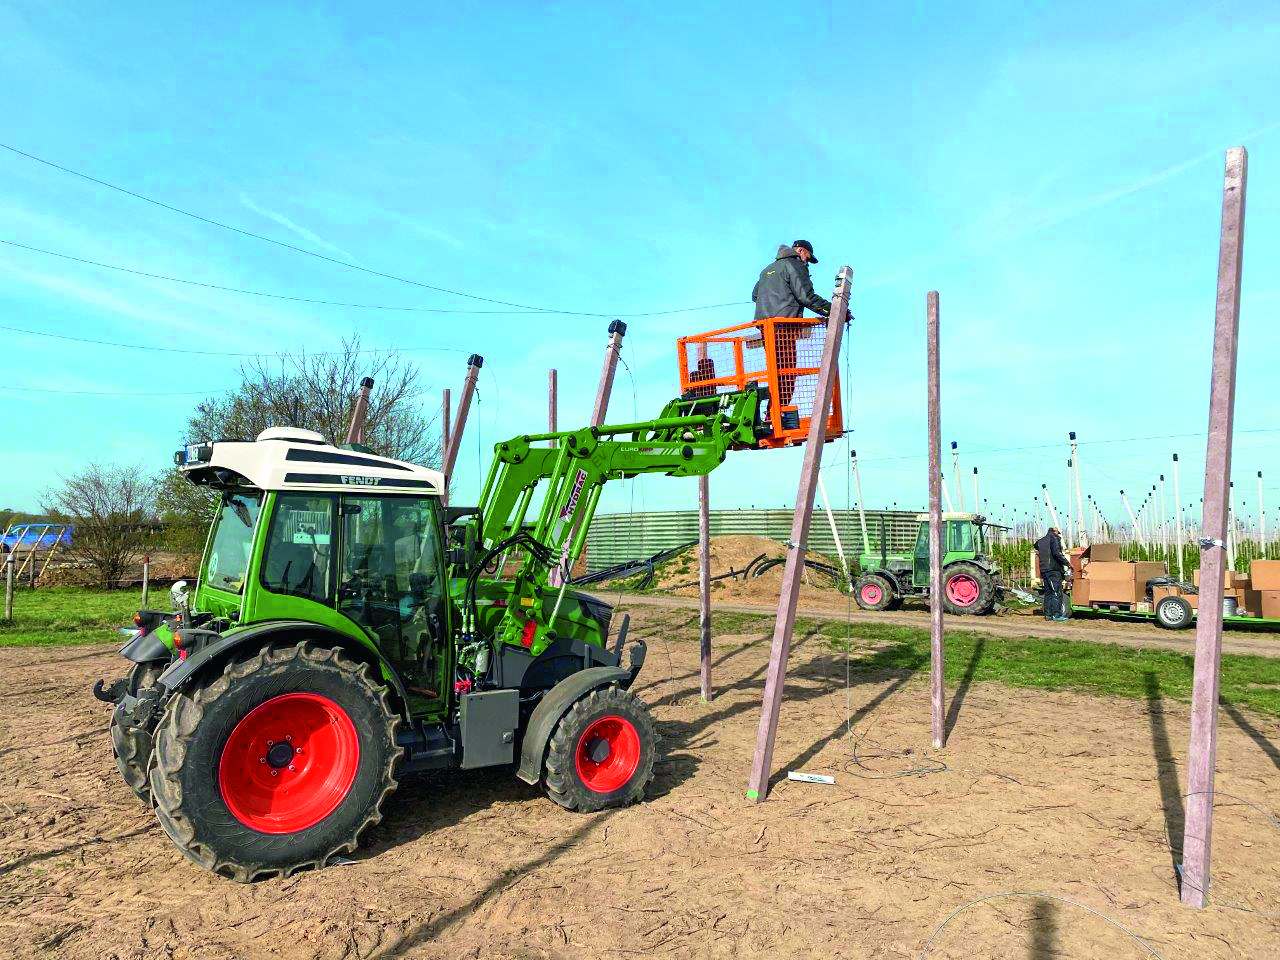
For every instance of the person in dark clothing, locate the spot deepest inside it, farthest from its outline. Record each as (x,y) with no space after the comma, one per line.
(785,290)
(1054,565)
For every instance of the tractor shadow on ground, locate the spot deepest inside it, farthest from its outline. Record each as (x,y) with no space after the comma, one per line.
(1252,732)
(1166,773)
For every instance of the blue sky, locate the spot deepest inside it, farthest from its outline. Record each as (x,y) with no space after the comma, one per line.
(1054,170)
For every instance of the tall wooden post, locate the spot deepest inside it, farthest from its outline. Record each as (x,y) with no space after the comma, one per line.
(784,625)
(474,363)
(617,330)
(704,582)
(936,713)
(1201,756)
(355,432)
(8,585)
(552,399)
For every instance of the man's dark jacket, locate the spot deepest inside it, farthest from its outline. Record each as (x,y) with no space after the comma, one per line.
(784,288)
(1052,559)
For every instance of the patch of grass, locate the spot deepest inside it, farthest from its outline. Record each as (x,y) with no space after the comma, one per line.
(1034,662)
(55,615)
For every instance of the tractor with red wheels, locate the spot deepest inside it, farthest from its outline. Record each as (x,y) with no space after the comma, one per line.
(971,580)
(348,628)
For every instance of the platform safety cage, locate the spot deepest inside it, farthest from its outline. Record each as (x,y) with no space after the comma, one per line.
(782,354)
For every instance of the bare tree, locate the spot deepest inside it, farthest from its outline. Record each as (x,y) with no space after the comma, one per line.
(109,506)
(316,392)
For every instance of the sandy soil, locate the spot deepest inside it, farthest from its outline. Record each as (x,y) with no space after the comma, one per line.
(1060,795)
(679,575)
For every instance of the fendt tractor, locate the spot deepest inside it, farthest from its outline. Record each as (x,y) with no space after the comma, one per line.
(348,628)
(971,580)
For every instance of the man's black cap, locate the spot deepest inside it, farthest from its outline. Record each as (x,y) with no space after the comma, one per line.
(808,246)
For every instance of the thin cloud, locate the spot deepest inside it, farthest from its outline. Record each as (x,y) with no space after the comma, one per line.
(295,228)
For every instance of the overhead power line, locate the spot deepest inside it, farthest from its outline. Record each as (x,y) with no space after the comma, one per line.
(344,263)
(116,393)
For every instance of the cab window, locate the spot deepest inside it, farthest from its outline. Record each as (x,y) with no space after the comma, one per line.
(960,539)
(232,541)
(298,559)
(389,575)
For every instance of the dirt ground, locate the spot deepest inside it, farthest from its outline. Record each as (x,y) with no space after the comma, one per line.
(1070,798)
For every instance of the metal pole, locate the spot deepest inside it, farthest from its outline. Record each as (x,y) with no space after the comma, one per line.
(1048,502)
(1231,526)
(955,474)
(1132,519)
(1164,524)
(862,513)
(355,432)
(474,363)
(976,501)
(1177,502)
(946,491)
(1262,520)
(551,405)
(1083,517)
(1201,755)
(146,578)
(835,533)
(704,582)
(936,715)
(1071,520)
(617,330)
(784,624)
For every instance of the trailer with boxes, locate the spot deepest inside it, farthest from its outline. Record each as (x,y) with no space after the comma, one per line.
(1105,584)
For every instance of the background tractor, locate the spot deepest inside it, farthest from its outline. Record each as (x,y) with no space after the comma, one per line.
(348,628)
(971,581)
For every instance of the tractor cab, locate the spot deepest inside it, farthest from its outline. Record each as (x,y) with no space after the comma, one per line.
(963,538)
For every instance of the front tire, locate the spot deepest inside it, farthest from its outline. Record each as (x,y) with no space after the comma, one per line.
(602,752)
(276,765)
(873,592)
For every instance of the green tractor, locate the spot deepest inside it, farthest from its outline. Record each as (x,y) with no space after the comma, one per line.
(348,628)
(971,581)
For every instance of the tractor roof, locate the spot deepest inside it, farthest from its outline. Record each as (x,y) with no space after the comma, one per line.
(288,458)
(953,515)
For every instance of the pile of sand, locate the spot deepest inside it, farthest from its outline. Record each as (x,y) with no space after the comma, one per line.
(679,575)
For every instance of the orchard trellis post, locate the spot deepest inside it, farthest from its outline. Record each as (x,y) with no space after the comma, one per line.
(1201,755)
(474,363)
(784,625)
(936,714)
(1177,502)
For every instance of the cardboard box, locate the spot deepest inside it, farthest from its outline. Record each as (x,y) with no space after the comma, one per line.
(1163,590)
(1112,591)
(1265,575)
(1269,603)
(1147,570)
(1252,603)
(1080,592)
(1104,552)
(1110,570)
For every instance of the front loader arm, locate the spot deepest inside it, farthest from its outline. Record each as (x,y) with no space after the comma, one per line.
(690,438)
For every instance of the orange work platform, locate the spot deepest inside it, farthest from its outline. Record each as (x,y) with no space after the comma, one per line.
(781,354)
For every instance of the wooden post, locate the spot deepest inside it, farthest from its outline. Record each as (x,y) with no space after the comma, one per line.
(146,578)
(1201,755)
(617,330)
(8,586)
(552,390)
(784,624)
(355,432)
(704,582)
(444,442)
(936,713)
(474,363)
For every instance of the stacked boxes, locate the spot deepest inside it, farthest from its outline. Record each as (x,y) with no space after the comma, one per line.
(1264,595)
(1114,581)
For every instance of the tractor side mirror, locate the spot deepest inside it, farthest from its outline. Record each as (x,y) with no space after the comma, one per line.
(465,544)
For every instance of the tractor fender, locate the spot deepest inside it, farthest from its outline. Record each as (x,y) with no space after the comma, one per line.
(554,705)
(283,631)
(146,648)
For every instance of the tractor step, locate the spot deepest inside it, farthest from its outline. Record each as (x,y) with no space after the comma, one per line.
(427,747)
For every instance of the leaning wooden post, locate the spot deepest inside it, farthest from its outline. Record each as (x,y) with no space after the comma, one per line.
(552,391)
(146,578)
(704,583)
(784,625)
(1201,755)
(355,432)
(474,363)
(617,330)
(936,714)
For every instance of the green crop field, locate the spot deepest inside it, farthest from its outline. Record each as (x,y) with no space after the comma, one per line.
(54,615)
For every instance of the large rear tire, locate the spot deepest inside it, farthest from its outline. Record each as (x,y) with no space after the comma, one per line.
(873,591)
(602,753)
(967,589)
(130,745)
(276,765)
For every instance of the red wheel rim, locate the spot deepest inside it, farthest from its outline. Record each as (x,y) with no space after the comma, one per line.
(962,590)
(871,594)
(608,754)
(289,763)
